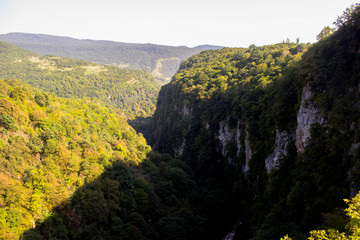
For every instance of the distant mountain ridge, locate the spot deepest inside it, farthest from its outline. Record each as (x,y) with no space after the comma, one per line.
(133,91)
(161,61)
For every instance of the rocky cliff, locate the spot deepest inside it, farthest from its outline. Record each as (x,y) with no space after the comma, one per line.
(309,114)
(277,125)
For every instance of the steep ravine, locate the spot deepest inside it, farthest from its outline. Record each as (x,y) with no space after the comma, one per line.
(237,135)
(276,127)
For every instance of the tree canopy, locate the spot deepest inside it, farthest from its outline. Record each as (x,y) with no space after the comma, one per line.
(132,91)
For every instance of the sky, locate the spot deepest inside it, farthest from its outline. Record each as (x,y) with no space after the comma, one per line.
(230,23)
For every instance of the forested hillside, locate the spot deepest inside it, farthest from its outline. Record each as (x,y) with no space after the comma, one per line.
(278,126)
(132,91)
(50,146)
(264,141)
(220,84)
(73,169)
(161,61)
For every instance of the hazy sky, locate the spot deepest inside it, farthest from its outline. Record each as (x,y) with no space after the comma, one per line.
(233,23)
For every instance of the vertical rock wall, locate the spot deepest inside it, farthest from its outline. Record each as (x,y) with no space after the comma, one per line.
(309,113)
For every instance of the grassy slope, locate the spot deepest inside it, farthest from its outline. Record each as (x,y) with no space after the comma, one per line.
(133,91)
(135,56)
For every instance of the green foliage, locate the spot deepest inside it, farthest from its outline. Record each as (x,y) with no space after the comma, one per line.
(126,202)
(353,212)
(41,100)
(62,145)
(251,90)
(349,18)
(223,113)
(76,170)
(325,33)
(161,61)
(132,91)
(246,81)
(8,122)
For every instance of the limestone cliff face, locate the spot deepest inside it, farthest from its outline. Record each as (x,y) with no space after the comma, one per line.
(282,142)
(227,135)
(178,151)
(248,153)
(238,137)
(183,109)
(186,111)
(309,113)
(293,134)
(232,140)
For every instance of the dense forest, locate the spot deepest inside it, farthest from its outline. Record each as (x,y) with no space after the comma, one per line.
(235,78)
(77,170)
(263,141)
(161,61)
(132,91)
(277,125)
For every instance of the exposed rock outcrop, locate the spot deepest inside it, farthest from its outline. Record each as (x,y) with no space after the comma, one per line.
(248,152)
(235,136)
(229,135)
(354,147)
(183,109)
(186,111)
(282,141)
(309,113)
(225,135)
(180,150)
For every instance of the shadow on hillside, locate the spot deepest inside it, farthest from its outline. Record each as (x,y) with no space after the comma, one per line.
(142,125)
(156,200)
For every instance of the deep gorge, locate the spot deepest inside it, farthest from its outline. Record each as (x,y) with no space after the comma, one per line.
(258,142)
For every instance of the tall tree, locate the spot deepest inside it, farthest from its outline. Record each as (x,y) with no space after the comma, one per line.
(325,33)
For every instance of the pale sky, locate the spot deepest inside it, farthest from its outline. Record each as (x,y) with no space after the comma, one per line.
(232,23)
